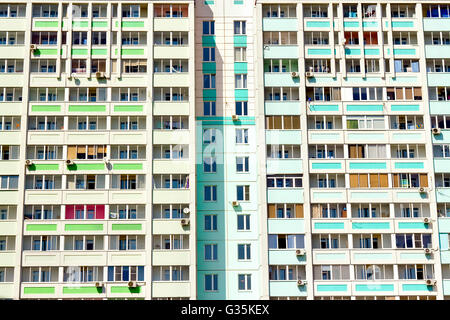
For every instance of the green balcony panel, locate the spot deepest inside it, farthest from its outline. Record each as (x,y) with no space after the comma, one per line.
(79,52)
(275,24)
(87,108)
(45,52)
(46,108)
(133,52)
(83,227)
(119,227)
(417,287)
(99,52)
(128,166)
(39,290)
(133,24)
(125,290)
(82,290)
(100,24)
(86,166)
(372,52)
(80,24)
(43,167)
(41,227)
(370,24)
(128,108)
(46,24)
(413,225)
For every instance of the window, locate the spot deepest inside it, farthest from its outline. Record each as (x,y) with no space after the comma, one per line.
(209,164)
(241,108)
(242,164)
(242,136)
(134,66)
(126,273)
(243,222)
(286,241)
(371,93)
(372,180)
(9,182)
(239,27)
(244,252)
(369,151)
(209,81)
(209,136)
(240,81)
(208,27)
(243,193)
(413,240)
(209,54)
(210,252)
(211,282)
(282,122)
(210,222)
(85,211)
(209,108)
(410,180)
(284,181)
(245,281)
(415,271)
(210,193)
(365,122)
(285,211)
(240,54)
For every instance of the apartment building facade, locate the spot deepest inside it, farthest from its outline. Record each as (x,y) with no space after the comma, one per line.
(224,150)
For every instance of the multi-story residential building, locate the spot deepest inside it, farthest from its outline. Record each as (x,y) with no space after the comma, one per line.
(224,150)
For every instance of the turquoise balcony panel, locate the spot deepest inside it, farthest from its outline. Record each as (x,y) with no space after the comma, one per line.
(417,287)
(351,24)
(283,137)
(279,166)
(208,41)
(285,226)
(324,107)
(318,52)
(404,52)
(240,41)
(368,136)
(281,52)
(331,288)
(443,239)
(240,67)
(372,52)
(432,51)
(370,196)
(442,165)
(407,137)
(371,225)
(286,288)
(329,225)
(436,79)
(352,51)
(325,80)
(433,24)
(280,80)
(367,165)
(282,108)
(440,107)
(370,257)
(405,107)
(410,196)
(319,195)
(325,136)
(241,94)
(285,195)
(209,67)
(374,288)
(326,165)
(413,225)
(278,24)
(414,256)
(330,257)
(444,225)
(446,287)
(370,24)
(318,24)
(408,165)
(402,24)
(442,194)
(285,257)
(365,108)
(445,256)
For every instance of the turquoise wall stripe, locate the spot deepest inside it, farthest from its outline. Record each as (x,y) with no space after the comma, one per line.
(208,41)
(209,67)
(240,67)
(209,95)
(240,41)
(241,94)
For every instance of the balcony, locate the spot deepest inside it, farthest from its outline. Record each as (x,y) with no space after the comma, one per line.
(291,225)
(279,166)
(171,52)
(170,24)
(283,136)
(167,196)
(285,195)
(332,288)
(286,288)
(320,195)
(171,289)
(171,257)
(286,256)
(280,24)
(171,137)
(166,226)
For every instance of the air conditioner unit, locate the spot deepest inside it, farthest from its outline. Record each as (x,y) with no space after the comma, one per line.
(426,220)
(428,251)
(132,284)
(33,47)
(301,282)
(343,41)
(28,162)
(294,74)
(69,162)
(309,74)
(235,203)
(99,284)
(423,190)
(100,75)
(185,222)
(186,210)
(235,117)
(431,282)
(436,131)
(299,252)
